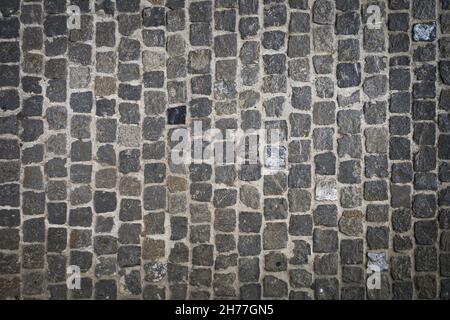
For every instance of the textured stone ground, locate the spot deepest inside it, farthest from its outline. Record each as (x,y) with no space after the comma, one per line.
(86,176)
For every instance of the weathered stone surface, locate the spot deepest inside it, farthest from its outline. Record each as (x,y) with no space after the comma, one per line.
(351,223)
(325,241)
(326,190)
(89,173)
(323,12)
(375,86)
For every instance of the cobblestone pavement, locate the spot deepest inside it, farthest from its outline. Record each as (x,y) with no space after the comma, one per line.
(359,89)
